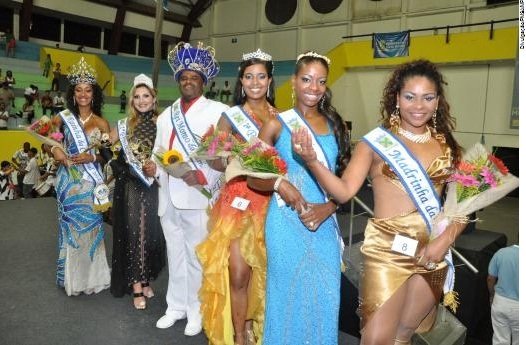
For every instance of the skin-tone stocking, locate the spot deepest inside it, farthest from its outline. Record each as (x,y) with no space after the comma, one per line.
(239,273)
(400,315)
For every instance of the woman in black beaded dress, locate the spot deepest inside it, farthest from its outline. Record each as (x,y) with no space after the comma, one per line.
(138,242)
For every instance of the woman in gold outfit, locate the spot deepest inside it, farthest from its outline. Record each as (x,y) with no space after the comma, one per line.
(399,293)
(233,256)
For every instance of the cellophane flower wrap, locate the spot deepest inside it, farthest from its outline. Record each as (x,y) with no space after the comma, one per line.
(480,180)
(172,161)
(217,144)
(44,130)
(256,159)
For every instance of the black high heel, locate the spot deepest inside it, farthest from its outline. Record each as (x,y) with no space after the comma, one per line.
(149,293)
(142,304)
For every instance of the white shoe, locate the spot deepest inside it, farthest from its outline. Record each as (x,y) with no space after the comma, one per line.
(168,320)
(193,327)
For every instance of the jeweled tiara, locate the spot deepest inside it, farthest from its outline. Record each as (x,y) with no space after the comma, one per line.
(258,54)
(314,55)
(82,72)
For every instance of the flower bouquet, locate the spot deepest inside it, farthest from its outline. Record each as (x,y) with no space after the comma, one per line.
(256,159)
(172,161)
(480,180)
(217,144)
(44,130)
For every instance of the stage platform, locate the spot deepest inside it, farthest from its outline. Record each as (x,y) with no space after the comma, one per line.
(35,312)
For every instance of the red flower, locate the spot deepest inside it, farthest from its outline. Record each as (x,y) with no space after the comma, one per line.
(208,133)
(499,164)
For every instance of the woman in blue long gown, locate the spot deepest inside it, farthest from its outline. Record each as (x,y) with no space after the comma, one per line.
(302,236)
(81,265)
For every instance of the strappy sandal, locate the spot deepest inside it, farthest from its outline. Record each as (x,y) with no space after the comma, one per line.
(148,292)
(142,304)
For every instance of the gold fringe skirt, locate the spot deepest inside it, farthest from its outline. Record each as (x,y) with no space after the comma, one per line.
(384,271)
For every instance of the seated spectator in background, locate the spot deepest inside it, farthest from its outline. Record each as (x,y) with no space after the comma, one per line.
(32,174)
(47,103)
(46,66)
(503,286)
(80,49)
(7,96)
(32,92)
(58,103)
(28,110)
(212,91)
(225,91)
(43,158)
(9,79)
(123,101)
(56,77)
(4,116)
(7,188)
(49,173)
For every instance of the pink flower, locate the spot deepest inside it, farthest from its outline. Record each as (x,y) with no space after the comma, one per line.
(488,176)
(57,136)
(228,146)
(465,180)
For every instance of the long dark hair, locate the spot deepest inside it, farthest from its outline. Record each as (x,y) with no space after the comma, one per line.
(238,95)
(326,109)
(445,123)
(96,103)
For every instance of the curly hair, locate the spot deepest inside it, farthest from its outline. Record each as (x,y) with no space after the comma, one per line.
(445,122)
(239,98)
(96,103)
(325,108)
(133,115)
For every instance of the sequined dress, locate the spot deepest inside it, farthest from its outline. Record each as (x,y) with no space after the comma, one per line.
(384,271)
(303,267)
(225,224)
(138,242)
(81,263)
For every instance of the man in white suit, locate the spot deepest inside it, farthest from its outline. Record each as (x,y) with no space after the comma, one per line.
(182,207)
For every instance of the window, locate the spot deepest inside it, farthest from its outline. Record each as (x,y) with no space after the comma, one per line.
(82,34)
(45,27)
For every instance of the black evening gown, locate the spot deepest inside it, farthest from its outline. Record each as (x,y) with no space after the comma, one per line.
(139,249)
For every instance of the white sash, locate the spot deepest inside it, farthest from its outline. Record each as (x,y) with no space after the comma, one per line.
(101,191)
(122,128)
(410,172)
(415,180)
(292,120)
(242,122)
(190,143)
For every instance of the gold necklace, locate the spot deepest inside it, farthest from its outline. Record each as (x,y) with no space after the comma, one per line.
(83,122)
(416,138)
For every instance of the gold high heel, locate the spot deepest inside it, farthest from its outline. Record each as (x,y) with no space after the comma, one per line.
(250,337)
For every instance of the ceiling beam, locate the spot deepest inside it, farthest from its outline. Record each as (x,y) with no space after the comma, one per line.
(199,8)
(149,11)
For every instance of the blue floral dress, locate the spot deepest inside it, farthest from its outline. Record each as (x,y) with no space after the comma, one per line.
(303,273)
(82,266)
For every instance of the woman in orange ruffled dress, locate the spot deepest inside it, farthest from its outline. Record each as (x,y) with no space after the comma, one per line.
(233,256)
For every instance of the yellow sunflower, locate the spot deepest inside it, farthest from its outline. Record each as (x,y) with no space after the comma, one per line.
(171,157)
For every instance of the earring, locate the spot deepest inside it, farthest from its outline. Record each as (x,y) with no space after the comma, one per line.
(242,93)
(322,102)
(394,120)
(293,97)
(268,91)
(74,102)
(435,120)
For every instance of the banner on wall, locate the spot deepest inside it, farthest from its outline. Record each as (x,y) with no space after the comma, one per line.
(514,118)
(391,44)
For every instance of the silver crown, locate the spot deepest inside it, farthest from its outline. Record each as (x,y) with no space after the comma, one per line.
(82,72)
(314,55)
(258,54)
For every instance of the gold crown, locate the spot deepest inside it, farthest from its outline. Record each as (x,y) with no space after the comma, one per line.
(258,54)
(314,55)
(82,72)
